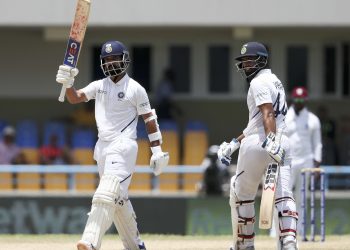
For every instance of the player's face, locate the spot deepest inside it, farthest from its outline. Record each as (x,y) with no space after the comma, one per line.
(113,65)
(249,64)
(299,104)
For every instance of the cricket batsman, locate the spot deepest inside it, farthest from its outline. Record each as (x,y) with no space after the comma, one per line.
(262,141)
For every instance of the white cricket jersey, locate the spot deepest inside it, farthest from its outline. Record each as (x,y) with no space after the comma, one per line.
(304,132)
(117,106)
(265,88)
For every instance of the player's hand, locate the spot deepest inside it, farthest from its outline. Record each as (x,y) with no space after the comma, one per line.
(159,160)
(273,148)
(65,75)
(226,150)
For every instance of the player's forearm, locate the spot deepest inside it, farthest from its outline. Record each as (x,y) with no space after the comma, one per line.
(151,128)
(269,122)
(240,138)
(74,96)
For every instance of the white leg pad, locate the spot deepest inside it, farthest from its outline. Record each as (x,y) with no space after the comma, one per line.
(125,222)
(243,219)
(288,218)
(234,214)
(102,210)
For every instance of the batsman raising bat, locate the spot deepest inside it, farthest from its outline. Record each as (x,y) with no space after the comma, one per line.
(262,145)
(119,100)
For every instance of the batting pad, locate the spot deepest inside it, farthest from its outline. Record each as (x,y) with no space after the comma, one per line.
(234,214)
(125,222)
(102,210)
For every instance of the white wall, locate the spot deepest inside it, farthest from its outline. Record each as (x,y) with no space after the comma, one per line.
(273,13)
(29,61)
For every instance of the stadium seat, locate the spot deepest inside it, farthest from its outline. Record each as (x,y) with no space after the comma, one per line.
(83,142)
(195,148)
(3,125)
(5,178)
(55,128)
(6,181)
(55,181)
(142,182)
(27,139)
(171,144)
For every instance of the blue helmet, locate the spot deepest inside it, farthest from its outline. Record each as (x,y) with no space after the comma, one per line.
(118,58)
(252,59)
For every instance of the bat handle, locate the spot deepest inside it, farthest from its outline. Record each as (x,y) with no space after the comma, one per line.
(62,94)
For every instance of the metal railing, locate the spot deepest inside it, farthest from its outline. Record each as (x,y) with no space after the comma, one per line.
(72,170)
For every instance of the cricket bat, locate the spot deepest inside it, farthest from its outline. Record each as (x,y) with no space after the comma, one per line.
(76,37)
(268,196)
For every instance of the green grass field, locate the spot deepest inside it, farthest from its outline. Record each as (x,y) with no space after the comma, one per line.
(157,242)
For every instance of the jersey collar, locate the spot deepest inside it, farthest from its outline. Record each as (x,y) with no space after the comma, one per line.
(121,81)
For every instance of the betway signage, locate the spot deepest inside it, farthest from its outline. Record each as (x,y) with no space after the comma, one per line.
(46,215)
(27,215)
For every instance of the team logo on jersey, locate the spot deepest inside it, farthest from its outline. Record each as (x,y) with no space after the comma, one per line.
(108,48)
(244,49)
(121,95)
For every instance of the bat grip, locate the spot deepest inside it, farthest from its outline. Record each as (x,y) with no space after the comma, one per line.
(62,94)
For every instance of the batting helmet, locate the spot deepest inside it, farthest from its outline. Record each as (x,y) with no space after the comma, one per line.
(253,57)
(118,58)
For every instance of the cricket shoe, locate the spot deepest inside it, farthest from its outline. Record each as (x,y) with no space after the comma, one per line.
(141,247)
(247,248)
(83,245)
(290,245)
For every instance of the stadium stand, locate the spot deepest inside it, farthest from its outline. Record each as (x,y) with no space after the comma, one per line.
(55,181)
(27,138)
(195,148)
(142,181)
(171,144)
(83,142)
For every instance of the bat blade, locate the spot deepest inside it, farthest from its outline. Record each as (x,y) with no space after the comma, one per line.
(268,196)
(76,37)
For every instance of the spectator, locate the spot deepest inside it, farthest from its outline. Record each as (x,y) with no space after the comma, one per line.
(328,131)
(10,153)
(53,154)
(304,132)
(165,106)
(215,174)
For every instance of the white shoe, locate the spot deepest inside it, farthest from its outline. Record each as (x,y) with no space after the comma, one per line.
(247,248)
(290,245)
(83,245)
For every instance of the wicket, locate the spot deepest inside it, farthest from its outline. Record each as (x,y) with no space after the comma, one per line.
(304,189)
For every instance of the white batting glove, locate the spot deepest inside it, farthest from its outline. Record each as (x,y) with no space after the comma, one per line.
(159,160)
(226,150)
(274,148)
(65,75)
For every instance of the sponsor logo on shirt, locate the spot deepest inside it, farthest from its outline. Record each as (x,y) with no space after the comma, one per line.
(278,85)
(144,104)
(101,91)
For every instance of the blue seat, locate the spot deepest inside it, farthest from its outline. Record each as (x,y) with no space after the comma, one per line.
(3,125)
(27,134)
(168,125)
(196,126)
(83,138)
(55,128)
(141,129)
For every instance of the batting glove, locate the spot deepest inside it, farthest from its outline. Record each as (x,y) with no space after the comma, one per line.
(226,150)
(65,75)
(273,148)
(159,160)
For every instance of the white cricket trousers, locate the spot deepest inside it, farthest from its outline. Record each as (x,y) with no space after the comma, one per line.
(251,166)
(117,158)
